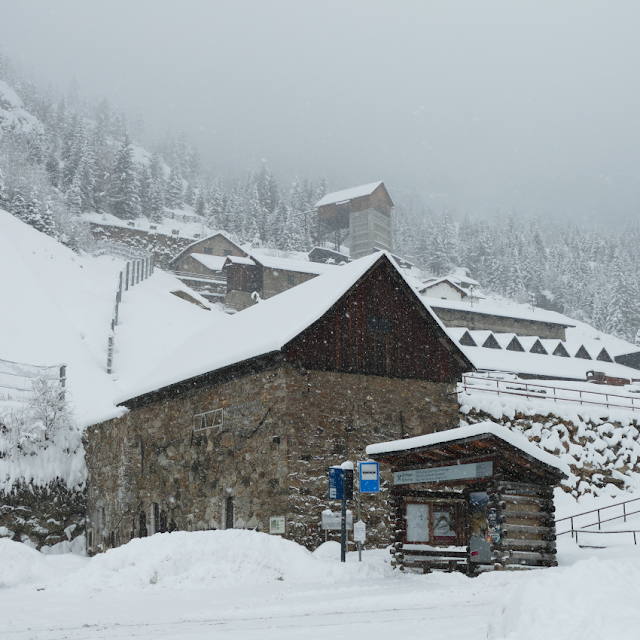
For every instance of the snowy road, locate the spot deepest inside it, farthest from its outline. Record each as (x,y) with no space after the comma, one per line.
(382,609)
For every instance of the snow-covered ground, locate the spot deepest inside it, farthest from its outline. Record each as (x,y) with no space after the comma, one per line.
(241,584)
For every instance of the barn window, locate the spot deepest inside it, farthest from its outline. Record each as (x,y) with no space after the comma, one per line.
(156,517)
(291,280)
(381,325)
(208,420)
(208,251)
(229,516)
(227,252)
(143,525)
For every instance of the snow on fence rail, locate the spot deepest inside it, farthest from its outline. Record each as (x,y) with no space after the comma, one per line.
(140,265)
(18,377)
(537,391)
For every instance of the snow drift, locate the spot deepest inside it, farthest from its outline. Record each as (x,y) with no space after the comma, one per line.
(183,560)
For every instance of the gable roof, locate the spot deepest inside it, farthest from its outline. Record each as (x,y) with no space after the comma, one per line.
(428,284)
(267,327)
(348,194)
(189,247)
(462,435)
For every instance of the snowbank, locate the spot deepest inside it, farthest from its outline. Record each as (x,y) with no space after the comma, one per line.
(184,560)
(595,599)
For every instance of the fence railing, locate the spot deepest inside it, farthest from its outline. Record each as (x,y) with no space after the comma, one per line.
(599,522)
(540,391)
(635,532)
(140,265)
(18,377)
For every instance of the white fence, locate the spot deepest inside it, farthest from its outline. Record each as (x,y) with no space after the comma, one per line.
(562,392)
(17,378)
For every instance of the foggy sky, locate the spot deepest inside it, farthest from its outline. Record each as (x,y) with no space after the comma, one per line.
(479,106)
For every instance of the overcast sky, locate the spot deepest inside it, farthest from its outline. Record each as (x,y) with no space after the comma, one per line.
(478,105)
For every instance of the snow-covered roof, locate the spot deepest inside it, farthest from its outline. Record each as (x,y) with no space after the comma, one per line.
(261,329)
(287,264)
(215,263)
(239,260)
(348,194)
(486,359)
(428,284)
(189,247)
(508,311)
(461,433)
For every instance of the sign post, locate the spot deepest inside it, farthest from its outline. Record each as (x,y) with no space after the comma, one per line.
(341,488)
(368,482)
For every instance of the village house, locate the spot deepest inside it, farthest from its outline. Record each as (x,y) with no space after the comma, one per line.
(264,276)
(241,424)
(443,289)
(200,265)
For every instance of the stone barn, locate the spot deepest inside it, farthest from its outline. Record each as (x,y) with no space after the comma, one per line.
(242,423)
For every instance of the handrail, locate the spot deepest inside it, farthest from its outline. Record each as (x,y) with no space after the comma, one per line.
(532,394)
(600,521)
(634,531)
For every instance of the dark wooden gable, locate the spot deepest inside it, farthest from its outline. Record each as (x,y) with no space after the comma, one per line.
(379,327)
(515,345)
(538,348)
(561,351)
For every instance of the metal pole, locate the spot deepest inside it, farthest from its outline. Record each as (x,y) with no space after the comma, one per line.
(359,493)
(343,520)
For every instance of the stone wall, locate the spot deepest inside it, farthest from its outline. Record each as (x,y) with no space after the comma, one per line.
(499,324)
(164,248)
(269,452)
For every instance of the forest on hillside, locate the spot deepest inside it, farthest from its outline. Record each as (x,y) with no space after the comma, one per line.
(67,156)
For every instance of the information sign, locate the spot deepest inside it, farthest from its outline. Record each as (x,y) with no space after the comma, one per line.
(338,475)
(335,483)
(331,521)
(360,531)
(277,525)
(369,477)
(442,474)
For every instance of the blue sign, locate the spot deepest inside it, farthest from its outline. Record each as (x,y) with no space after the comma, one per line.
(335,483)
(369,477)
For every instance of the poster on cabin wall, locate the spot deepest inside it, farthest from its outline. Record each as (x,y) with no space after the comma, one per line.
(480,538)
(444,526)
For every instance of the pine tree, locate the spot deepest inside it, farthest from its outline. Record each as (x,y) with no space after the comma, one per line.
(174,195)
(18,205)
(156,201)
(144,191)
(48,222)
(4,196)
(32,215)
(124,199)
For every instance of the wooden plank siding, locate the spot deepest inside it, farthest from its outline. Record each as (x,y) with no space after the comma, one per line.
(379,327)
(378,200)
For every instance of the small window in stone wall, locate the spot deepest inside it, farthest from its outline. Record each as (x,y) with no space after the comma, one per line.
(227,252)
(291,280)
(143,525)
(208,420)
(208,251)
